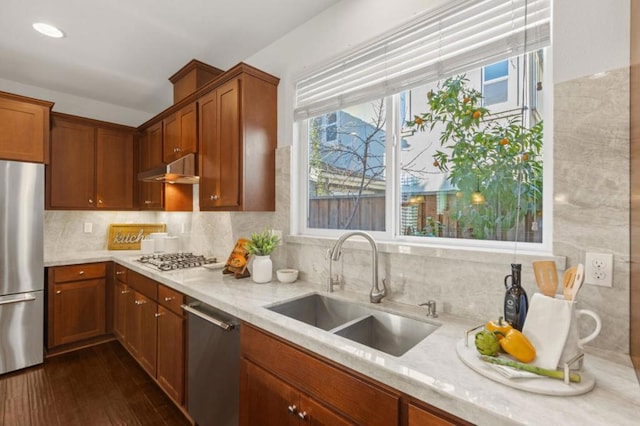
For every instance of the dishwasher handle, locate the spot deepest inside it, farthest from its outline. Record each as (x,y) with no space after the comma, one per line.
(222,324)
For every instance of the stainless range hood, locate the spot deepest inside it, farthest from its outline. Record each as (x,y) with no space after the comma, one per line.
(183,170)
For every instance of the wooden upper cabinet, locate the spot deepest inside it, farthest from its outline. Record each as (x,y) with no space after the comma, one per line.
(71,172)
(150,155)
(180,133)
(24,128)
(114,178)
(237,135)
(91,165)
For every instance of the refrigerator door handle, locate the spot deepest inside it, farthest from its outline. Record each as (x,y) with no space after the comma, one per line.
(17,299)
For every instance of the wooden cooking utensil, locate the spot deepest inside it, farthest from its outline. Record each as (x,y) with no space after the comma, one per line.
(546,276)
(567,282)
(577,281)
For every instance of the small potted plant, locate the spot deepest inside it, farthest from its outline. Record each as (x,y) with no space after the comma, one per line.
(260,246)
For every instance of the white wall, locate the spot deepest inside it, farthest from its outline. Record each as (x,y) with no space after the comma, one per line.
(76,105)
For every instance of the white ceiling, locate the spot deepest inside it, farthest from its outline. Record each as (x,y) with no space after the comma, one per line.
(123,51)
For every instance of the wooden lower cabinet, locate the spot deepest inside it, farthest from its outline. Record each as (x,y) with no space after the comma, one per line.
(269,401)
(148,321)
(281,384)
(171,353)
(326,390)
(76,303)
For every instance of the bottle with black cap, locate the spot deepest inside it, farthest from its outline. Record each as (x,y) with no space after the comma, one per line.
(516,303)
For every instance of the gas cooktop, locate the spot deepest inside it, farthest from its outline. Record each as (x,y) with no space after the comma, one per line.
(173,261)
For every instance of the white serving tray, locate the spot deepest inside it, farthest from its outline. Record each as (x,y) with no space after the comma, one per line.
(540,384)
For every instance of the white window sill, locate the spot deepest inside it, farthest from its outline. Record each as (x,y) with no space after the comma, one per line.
(462,254)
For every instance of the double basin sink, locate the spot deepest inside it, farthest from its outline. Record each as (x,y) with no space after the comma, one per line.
(383,331)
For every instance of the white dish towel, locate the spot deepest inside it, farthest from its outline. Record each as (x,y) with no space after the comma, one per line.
(547,327)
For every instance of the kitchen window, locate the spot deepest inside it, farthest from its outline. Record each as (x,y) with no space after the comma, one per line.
(420,145)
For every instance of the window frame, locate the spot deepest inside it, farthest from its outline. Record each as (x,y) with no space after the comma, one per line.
(392,234)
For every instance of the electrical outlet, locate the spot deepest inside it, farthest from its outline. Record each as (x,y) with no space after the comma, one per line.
(88,227)
(598,269)
(278,234)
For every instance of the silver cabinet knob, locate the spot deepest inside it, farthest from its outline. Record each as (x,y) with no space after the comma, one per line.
(81,273)
(99,201)
(90,200)
(124,292)
(214,197)
(158,314)
(168,299)
(302,415)
(292,409)
(58,291)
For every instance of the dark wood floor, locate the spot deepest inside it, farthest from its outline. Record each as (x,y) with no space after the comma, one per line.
(100,385)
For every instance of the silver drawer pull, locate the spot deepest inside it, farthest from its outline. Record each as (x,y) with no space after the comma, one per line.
(169,299)
(124,292)
(119,272)
(158,314)
(302,415)
(140,302)
(81,273)
(292,409)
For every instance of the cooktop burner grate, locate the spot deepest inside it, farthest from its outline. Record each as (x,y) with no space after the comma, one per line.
(173,261)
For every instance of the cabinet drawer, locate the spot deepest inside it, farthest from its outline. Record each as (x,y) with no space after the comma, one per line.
(63,274)
(170,299)
(358,399)
(121,273)
(143,285)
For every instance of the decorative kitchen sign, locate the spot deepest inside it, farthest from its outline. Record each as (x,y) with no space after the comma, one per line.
(128,236)
(238,260)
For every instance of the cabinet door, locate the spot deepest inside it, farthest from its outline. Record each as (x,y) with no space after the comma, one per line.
(151,156)
(120,306)
(220,148)
(171,343)
(71,172)
(266,400)
(313,413)
(147,356)
(114,177)
(418,416)
(24,131)
(170,137)
(133,323)
(188,130)
(78,311)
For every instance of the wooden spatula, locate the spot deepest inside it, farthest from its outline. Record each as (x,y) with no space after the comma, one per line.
(546,276)
(567,282)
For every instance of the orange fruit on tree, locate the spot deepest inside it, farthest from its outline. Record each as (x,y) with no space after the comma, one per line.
(466,100)
(477,114)
(436,164)
(504,141)
(418,121)
(525,157)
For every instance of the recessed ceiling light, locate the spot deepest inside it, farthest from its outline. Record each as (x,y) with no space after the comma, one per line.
(48,30)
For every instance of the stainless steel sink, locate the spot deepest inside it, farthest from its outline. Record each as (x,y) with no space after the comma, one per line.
(319,311)
(389,333)
(384,331)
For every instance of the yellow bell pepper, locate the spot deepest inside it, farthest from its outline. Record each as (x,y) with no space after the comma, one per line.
(502,327)
(517,345)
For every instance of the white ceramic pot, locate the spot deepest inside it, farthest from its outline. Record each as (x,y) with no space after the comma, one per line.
(262,269)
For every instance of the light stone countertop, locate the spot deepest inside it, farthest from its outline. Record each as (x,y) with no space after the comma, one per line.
(431,371)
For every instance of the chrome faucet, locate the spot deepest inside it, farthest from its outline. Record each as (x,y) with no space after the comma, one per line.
(376,294)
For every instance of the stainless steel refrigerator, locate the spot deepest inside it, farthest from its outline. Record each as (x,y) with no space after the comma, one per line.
(21,265)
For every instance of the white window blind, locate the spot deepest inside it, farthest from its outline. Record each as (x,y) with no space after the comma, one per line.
(457,38)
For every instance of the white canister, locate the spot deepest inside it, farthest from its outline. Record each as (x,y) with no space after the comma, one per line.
(158,238)
(171,244)
(147,246)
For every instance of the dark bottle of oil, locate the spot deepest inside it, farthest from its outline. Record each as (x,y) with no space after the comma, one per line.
(516,303)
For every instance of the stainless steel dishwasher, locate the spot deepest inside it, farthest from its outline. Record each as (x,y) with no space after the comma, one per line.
(213,365)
